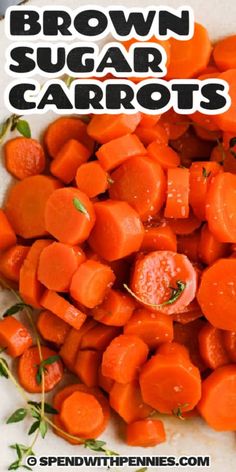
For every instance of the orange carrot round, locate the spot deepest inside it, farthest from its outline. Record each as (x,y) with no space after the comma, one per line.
(104,128)
(86,367)
(7,234)
(81,415)
(224,53)
(69,158)
(156,133)
(229,341)
(177,202)
(187,335)
(211,347)
(14,336)
(92,179)
(24,157)
(98,337)
(209,248)
(145,433)
(62,130)
(201,176)
(174,124)
(153,328)
(52,328)
(126,400)
(159,238)
(115,310)
(184,226)
(164,155)
(117,151)
(63,309)
(11,261)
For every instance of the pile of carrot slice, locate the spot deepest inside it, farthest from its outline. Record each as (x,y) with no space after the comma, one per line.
(122,232)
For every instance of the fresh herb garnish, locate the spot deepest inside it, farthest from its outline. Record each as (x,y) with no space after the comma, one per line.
(99,446)
(14,122)
(178,411)
(3,368)
(16,309)
(17,416)
(42,367)
(205,173)
(22,452)
(175,294)
(232,142)
(80,207)
(23,128)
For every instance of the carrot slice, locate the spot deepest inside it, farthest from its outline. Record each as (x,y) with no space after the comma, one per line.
(191,312)
(218,394)
(227,121)
(68,159)
(157,274)
(24,157)
(98,337)
(184,226)
(189,245)
(104,128)
(11,261)
(220,280)
(187,335)
(211,347)
(69,215)
(72,343)
(209,248)
(118,230)
(104,382)
(174,124)
(92,179)
(82,415)
(63,309)
(168,381)
(86,367)
(145,433)
(127,401)
(189,58)
(28,368)
(25,205)
(159,238)
(7,234)
(52,328)
(115,310)
(62,130)
(117,151)
(123,358)
(149,120)
(153,328)
(177,202)
(164,155)
(14,336)
(229,340)
(156,133)
(201,176)
(90,283)
(31,290)
(224,53)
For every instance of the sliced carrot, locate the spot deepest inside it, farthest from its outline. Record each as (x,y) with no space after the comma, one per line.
(127,401)
(63,309)
(69,158)
(224,53)
(98,337)
(184,226)
(57,264)
(174,349)
(52,328)
(177,202)
(190,57)
(11,261)
(149,120)
(86,367)
(189,245)
(104,382)
(209,248)
(7,234)
(92,179)
(156,133)
(201,175)
(168,381)
(104,128)
(226,121)
(28,367)
(69,215)
(123,358)
(211,347)
(31,290)
(145,433)
(25,205)
(219,280)
(153,328)
(156,274)
(187,334)
(115,310)
(14,336)
(192,312)
(229,340)
(24,157)
(90,283)
(131,181)
(62,130)
(117,151)
(174,124)
(72,342)
(159,238)
(218,396)
(164,155)
(118,230)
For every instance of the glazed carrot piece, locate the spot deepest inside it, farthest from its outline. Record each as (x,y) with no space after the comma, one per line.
(189,58)
(62,130)
(24,157)
(149,120)
(72,343)
(177,202)
(25,205)
(168,381)
(153,328)
(86,367)
(117,151)
(226,121)
(123,358)
(145,433)
(156,133)
(191,312)
(28,368)
(187,335)
(57,264)
(63,309)
(219,279)
(211,347)
(190,147)
(31,290)
(174,349)
(11,261)
(218,393)
(189,246)
(223,53)
(157,274)
(115,310)
(104,382)
(98,337)
(184,226)
(92,179)
(118,231)
(14,336)
(159,238)
(52,328)
(127,401)
(131,181)
(104,128)
(69,215)
(90,283)
(209,248)
(175,125)
(7,234)
(220,207)
(69,158)
(164,155)
(201,175)
(229,341)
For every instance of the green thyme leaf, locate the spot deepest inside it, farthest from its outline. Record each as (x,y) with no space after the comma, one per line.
(233,153)
(232,142)
(80,207)
(43,427)
(42,367)
(16,309)
(3,371)
(50,410)
(178,412)
(175,294)
(15,465)
(23,127)
(17,416)
(205,173)
(99,446)
(34,427)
